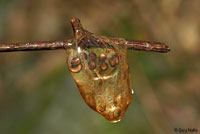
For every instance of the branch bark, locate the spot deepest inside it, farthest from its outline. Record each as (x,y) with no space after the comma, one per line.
(80,33)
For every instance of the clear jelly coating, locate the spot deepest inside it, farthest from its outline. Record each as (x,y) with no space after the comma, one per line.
(102,76)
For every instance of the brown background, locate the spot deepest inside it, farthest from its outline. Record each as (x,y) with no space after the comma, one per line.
(38,95)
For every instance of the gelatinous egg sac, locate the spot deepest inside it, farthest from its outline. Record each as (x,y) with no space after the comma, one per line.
(102,76)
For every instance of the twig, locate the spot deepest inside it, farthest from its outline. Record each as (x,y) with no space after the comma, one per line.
(91,38)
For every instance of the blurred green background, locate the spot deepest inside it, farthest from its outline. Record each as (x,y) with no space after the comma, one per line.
(39,96)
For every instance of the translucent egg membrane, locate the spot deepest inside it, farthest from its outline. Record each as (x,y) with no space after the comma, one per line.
(105,85)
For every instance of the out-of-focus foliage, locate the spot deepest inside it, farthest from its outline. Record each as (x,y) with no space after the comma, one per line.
(38,95)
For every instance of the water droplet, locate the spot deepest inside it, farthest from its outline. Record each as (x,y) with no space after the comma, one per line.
(132,91)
